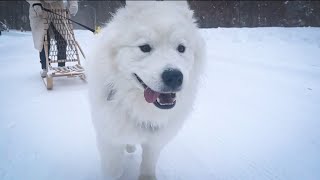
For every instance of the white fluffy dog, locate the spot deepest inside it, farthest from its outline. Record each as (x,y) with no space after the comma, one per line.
(143,75)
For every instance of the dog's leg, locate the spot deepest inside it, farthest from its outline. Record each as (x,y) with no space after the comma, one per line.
(112,159)
(150,155)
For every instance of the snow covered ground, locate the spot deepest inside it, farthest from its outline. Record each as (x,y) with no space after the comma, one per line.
(257,115)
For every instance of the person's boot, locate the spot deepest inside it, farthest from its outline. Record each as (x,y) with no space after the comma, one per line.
(61,64)
(44,73)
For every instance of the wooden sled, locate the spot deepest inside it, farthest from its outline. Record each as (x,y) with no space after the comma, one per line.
(61,48)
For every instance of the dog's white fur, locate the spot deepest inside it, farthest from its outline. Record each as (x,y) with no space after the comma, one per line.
(120,114)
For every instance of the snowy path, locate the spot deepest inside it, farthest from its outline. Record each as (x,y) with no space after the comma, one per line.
(257,115)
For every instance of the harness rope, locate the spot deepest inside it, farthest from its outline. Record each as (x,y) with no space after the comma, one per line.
(68,28)
(48,10)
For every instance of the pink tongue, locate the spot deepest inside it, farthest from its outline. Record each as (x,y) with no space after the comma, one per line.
(150,95)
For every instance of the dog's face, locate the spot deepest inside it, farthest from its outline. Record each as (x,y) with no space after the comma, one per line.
(156,52)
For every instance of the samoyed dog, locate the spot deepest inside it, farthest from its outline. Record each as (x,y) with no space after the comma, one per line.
(143,74)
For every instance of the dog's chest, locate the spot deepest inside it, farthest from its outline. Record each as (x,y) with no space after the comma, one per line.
(135,133)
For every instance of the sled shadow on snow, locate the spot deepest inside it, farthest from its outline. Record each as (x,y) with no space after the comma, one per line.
(16,34)
(67,83)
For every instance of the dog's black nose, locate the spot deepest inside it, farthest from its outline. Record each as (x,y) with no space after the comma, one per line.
(172,78)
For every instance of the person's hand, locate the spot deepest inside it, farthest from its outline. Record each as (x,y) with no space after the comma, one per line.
(38,10)
(73,9)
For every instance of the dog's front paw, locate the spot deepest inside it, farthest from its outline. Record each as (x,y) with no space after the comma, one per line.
(147,177)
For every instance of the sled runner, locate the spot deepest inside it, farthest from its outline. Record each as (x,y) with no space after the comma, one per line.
(61,48)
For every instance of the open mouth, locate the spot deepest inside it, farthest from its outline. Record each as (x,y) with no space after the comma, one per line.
(160,100)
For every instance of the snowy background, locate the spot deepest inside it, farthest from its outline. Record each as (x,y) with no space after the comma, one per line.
(257,115)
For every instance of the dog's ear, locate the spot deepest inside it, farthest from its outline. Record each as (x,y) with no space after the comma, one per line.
(185,9)
(183,4)
(132,3)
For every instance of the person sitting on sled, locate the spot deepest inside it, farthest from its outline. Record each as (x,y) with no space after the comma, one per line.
(38,25)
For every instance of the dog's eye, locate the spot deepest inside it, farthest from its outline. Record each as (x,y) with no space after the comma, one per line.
(145,48)
(181,48)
